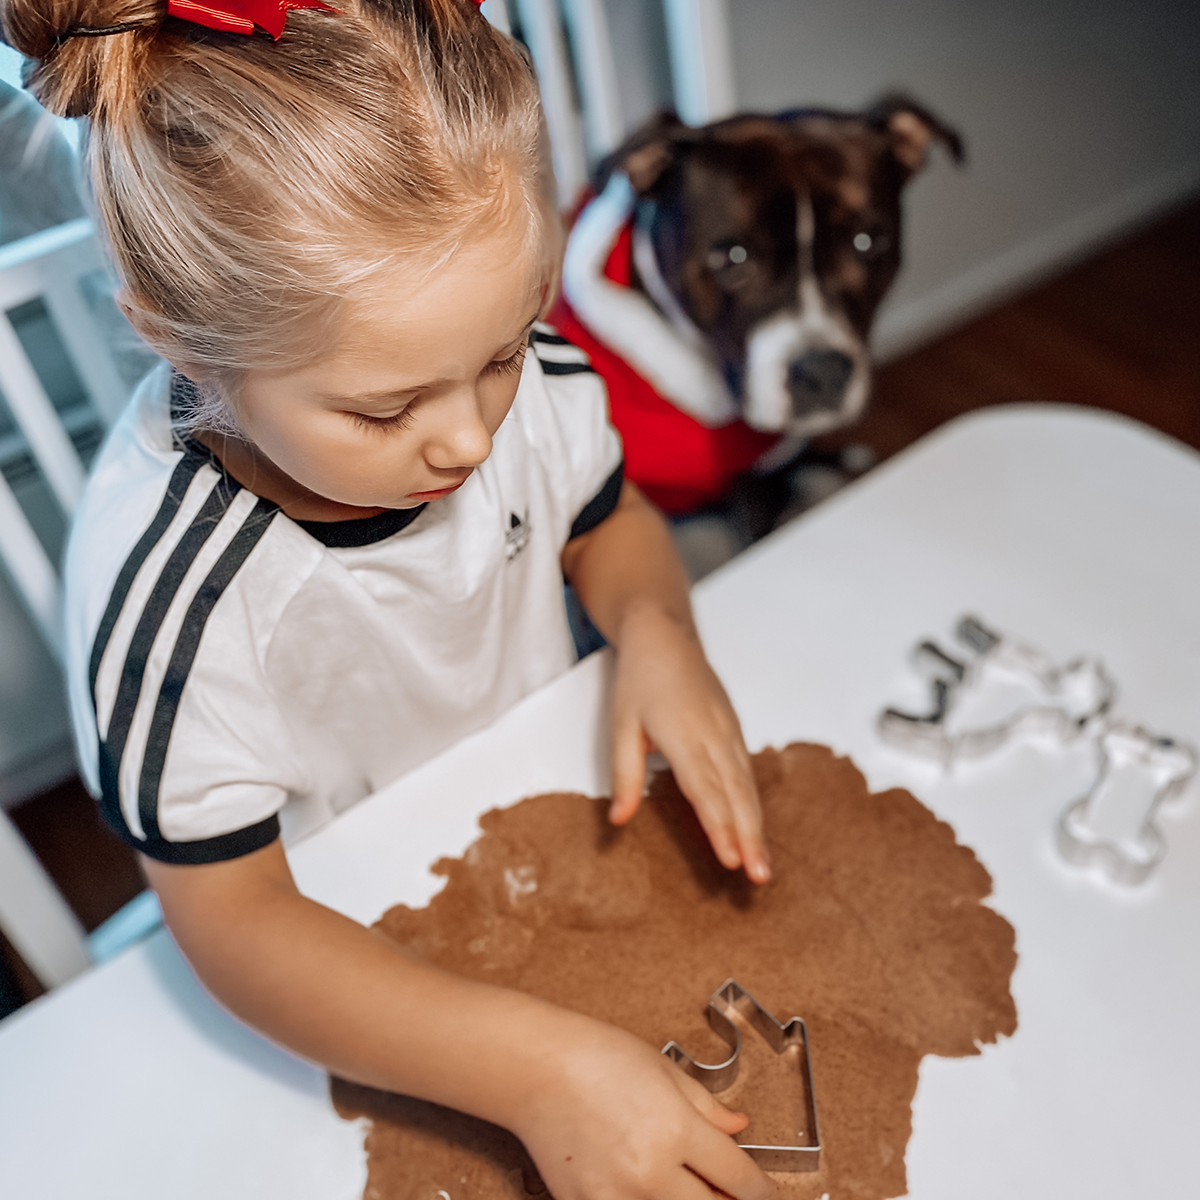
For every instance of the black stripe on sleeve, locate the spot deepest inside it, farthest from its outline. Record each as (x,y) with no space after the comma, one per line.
(601,505)
(206,850)
(184,654)
(542,334)
(149,623)
(177,487)
(566,368)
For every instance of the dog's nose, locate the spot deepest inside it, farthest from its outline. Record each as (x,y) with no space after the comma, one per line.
(817,381)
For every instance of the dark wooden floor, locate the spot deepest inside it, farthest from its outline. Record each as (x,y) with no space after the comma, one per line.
(1121,331)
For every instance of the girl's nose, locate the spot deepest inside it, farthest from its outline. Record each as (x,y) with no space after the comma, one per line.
(459,437)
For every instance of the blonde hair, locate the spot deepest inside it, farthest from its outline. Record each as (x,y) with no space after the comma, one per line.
(248,187)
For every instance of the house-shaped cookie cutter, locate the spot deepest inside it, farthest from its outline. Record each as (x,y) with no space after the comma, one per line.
(728,1001)
(1135,766)
(1065,701)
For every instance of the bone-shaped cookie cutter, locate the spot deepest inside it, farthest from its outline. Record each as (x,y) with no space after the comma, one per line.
(1067,700)
(1155,769)
(730,999)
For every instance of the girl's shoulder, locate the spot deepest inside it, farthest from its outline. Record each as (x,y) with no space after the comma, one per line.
(158,515)
(558,357)
(562,409)
(561,397)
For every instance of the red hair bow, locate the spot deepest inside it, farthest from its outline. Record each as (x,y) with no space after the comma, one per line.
(241,16)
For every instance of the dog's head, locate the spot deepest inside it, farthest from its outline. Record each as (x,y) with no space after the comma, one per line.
(775,238)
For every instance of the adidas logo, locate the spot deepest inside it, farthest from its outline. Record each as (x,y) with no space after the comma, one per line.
(516,537)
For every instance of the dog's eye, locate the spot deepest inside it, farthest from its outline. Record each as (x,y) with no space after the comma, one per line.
(871,245)
(720,257)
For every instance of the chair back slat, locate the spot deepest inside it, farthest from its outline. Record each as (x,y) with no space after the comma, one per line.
(700,47)
(38,420)
(31,570)
(34,916)
(496,11)
(88,349)
(543,34)
(600,98)
(51,266)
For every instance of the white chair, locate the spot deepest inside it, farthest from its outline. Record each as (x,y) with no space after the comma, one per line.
(50,268)
(583,113)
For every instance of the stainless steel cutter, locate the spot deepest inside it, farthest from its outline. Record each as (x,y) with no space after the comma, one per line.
(728,1001)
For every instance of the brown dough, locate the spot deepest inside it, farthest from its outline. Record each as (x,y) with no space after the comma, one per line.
(872,930)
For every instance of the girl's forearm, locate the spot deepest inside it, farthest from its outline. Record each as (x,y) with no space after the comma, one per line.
(345,996)
(602,1113)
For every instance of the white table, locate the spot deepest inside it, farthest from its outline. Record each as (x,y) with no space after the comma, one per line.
(1077,531)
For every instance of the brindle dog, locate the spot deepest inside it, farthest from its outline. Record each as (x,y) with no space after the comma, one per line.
(762,247)
(778,236)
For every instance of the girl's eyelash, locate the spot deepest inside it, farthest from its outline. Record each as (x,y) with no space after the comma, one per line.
(404,418)
(401,420)
(511,365)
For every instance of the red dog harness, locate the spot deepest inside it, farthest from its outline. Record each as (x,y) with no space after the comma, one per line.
(679,463)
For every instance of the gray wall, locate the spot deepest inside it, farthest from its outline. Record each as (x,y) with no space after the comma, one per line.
(1081,118)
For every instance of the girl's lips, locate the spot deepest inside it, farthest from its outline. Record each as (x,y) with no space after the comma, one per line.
(437,494)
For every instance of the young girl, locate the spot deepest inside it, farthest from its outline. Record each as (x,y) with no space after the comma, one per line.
(331,541)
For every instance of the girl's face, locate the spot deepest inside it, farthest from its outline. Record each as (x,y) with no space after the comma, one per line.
(405,408)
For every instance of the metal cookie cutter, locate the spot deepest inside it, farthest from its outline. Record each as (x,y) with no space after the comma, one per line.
(1139,771)
(1062,701)
(729,999)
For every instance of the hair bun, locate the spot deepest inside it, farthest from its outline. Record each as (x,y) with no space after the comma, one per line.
(74,75)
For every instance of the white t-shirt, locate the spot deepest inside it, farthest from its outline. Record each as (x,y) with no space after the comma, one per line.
(234,673)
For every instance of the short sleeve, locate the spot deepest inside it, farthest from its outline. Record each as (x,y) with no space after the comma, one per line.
(583,452)
(193,756)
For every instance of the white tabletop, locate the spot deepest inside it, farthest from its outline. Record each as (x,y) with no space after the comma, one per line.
(1073,529)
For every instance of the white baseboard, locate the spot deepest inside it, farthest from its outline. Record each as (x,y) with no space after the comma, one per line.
(37,774)
(920,320)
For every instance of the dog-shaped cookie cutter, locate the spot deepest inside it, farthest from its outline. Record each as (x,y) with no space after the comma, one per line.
(732,999)
(1131,758)
(1066,700)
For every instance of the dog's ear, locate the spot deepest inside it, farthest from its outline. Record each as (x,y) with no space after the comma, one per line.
(913,129)
(646,154)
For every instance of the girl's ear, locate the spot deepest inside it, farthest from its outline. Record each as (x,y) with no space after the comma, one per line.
(136,317)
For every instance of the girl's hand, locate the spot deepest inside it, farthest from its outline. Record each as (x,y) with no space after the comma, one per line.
(615,1121)
(667,696)
(630,579)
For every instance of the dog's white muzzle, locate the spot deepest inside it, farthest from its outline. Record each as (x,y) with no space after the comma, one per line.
(807,371)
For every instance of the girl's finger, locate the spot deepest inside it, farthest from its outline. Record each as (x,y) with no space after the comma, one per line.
(708,1106)
(725,798)
(629,769)
(748,823)
(705,794)
(689,1186)
(724,1167)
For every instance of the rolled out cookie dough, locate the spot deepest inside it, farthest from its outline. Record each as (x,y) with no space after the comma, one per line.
(871,929)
